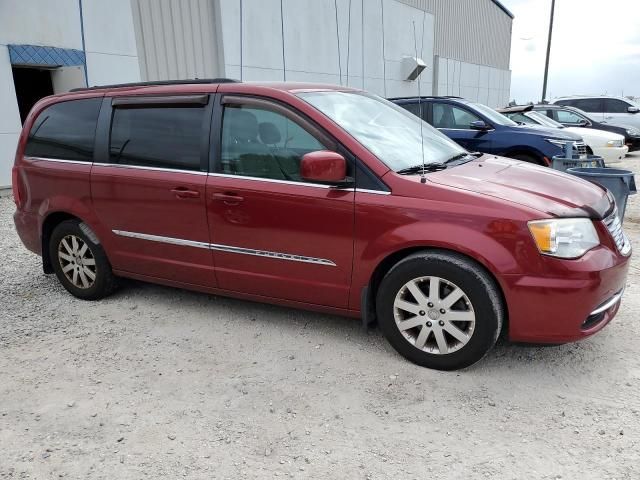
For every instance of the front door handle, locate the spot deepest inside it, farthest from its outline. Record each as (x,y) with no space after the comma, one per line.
(183,192)
(228,198)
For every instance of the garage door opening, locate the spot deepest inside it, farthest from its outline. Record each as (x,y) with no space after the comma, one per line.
(31,84)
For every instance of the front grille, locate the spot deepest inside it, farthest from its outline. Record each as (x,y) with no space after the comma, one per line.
(614,226)
(580,148)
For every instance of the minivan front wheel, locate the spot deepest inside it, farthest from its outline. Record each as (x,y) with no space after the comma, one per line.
(79,263)
(440,310)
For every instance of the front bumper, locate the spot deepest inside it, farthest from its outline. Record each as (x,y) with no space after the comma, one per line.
(611,154)
(567,306)
(633,143)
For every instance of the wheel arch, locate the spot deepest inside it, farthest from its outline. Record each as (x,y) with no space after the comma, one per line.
(50,222)
(388,262)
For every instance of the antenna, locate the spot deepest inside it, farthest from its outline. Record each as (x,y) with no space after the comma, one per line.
(241,66)
(423,177)
(335,6)
(284,60)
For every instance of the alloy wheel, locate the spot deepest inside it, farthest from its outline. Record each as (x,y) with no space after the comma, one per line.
(434,315)
(77,261)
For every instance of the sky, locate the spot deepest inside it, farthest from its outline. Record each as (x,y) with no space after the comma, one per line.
(595,48)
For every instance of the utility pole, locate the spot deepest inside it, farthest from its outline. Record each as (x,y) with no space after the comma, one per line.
(546,63)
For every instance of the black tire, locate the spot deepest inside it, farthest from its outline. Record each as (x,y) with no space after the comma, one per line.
(455,270)
(103,283)
(525,157)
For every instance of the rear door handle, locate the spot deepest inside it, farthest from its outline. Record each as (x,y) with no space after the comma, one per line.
(184,192)
(228,198)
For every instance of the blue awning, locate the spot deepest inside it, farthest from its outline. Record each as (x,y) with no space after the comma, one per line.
(36,55)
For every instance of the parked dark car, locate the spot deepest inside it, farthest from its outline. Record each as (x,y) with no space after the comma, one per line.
(574,117)
(480,128)
(317,197)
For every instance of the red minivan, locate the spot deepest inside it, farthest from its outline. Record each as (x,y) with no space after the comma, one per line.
(316,197)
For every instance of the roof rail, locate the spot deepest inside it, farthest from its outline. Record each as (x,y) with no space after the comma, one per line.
(425,96)
(158,83)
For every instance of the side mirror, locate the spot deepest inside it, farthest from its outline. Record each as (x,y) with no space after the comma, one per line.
(633,109)
(583,123)
(479,125)
(327,167)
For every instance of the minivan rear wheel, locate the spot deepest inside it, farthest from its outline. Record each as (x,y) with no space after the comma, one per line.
(79,263)
(440,310)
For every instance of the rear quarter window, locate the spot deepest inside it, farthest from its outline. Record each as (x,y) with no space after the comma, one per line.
(65,131)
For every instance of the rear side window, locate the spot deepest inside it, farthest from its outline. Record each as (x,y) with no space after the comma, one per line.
(65,130)
(160,137)
(589,104)
(613,105)
(416,108)
(448,116)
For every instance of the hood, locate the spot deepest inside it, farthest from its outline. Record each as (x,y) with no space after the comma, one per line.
(544,189)
(591,133)
(548,132)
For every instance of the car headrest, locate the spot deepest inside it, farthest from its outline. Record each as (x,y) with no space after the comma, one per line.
(269,133)
(241,125)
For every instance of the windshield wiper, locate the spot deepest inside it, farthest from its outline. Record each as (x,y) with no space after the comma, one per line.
(468,156)
(427,167)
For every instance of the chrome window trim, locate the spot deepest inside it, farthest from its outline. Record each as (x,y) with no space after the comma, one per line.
(270,180)
(226,248)
(375,192)
(301,184)
(57,160)
(154,169)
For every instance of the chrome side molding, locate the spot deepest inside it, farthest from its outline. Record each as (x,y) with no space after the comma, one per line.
(226,248)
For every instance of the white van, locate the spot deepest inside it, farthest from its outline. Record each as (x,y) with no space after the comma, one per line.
(605,108)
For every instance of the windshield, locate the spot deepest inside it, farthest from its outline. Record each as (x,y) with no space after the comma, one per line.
(543,119)
(493,116)
(398,138)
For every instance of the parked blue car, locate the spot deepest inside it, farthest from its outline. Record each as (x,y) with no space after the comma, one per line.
(480,128)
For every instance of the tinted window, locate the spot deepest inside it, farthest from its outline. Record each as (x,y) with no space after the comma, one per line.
(588,104)
(612,105)
(448,116)
(415,109)
(65,130)
(157,137)
(565,116)
(263,143)
(520,117)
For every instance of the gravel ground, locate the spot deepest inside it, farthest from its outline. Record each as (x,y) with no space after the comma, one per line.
(162,383)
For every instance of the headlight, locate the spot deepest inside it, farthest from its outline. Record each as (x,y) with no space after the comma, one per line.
(615,143)
(564,237)
(633,132)
(558,143)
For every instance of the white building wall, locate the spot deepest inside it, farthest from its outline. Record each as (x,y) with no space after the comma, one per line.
(111,54)
(177,39)
(305,40)
(110,42)
(479,83)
